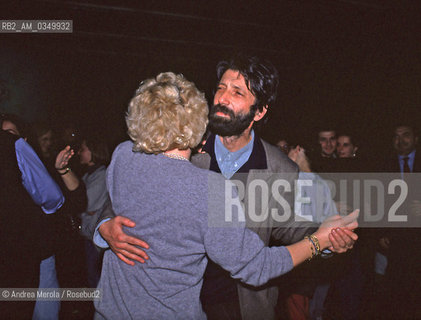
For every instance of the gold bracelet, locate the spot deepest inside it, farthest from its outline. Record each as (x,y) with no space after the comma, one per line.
(312,247)
(316,244)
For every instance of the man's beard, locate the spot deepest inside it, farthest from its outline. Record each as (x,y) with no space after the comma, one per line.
(233,125)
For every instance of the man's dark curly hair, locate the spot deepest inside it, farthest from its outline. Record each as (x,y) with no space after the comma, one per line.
(261,77)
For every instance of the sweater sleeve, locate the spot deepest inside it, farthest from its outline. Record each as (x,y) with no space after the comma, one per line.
(36,180)
(236,248)
(241,252)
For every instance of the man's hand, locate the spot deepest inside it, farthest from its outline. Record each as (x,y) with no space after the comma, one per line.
(342,240)
(124,246)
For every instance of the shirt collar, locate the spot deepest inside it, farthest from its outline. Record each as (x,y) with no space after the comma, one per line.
(230,162)
(410,156)
(256,160)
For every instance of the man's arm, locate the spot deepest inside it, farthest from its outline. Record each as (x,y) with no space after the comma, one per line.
(109,233)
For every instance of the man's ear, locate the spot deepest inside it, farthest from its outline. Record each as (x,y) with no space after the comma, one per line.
(260,114)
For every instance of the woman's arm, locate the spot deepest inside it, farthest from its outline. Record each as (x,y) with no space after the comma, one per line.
(333,232)
(71,181)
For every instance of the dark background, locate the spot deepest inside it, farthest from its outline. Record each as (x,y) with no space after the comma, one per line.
(351,63)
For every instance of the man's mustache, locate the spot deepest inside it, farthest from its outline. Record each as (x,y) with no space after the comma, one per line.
(223,109)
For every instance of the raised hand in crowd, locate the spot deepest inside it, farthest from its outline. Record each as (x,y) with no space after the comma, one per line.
(62,166)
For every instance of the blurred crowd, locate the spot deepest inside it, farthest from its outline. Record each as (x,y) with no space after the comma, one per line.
(77,162)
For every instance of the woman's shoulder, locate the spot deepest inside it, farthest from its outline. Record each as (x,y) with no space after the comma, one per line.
(124,147)
(124,152)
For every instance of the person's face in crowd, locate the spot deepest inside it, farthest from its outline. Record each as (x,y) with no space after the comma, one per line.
(404,140)
(46,141)
(10,127)
(231,114)
(327,140)
(85,155)
(345,148)
(283,145)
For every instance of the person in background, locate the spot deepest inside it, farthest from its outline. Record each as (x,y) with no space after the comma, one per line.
(39,189)
(328,141)
(70,254)
(349,154)
(404,158)
(94,157)
(324,160)
(38,229)
(402,274)
(346,147)
(13,124)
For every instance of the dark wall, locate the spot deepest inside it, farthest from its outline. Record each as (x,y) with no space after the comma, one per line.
(351,63)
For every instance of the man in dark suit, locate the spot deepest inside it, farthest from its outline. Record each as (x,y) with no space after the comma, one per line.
(403,245)
(405,140)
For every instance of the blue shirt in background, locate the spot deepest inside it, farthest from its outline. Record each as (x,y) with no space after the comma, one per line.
(411,159)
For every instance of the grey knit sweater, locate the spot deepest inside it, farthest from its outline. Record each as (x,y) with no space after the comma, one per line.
(179,210)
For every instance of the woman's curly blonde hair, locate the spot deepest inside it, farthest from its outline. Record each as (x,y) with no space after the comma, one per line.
(167,112)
